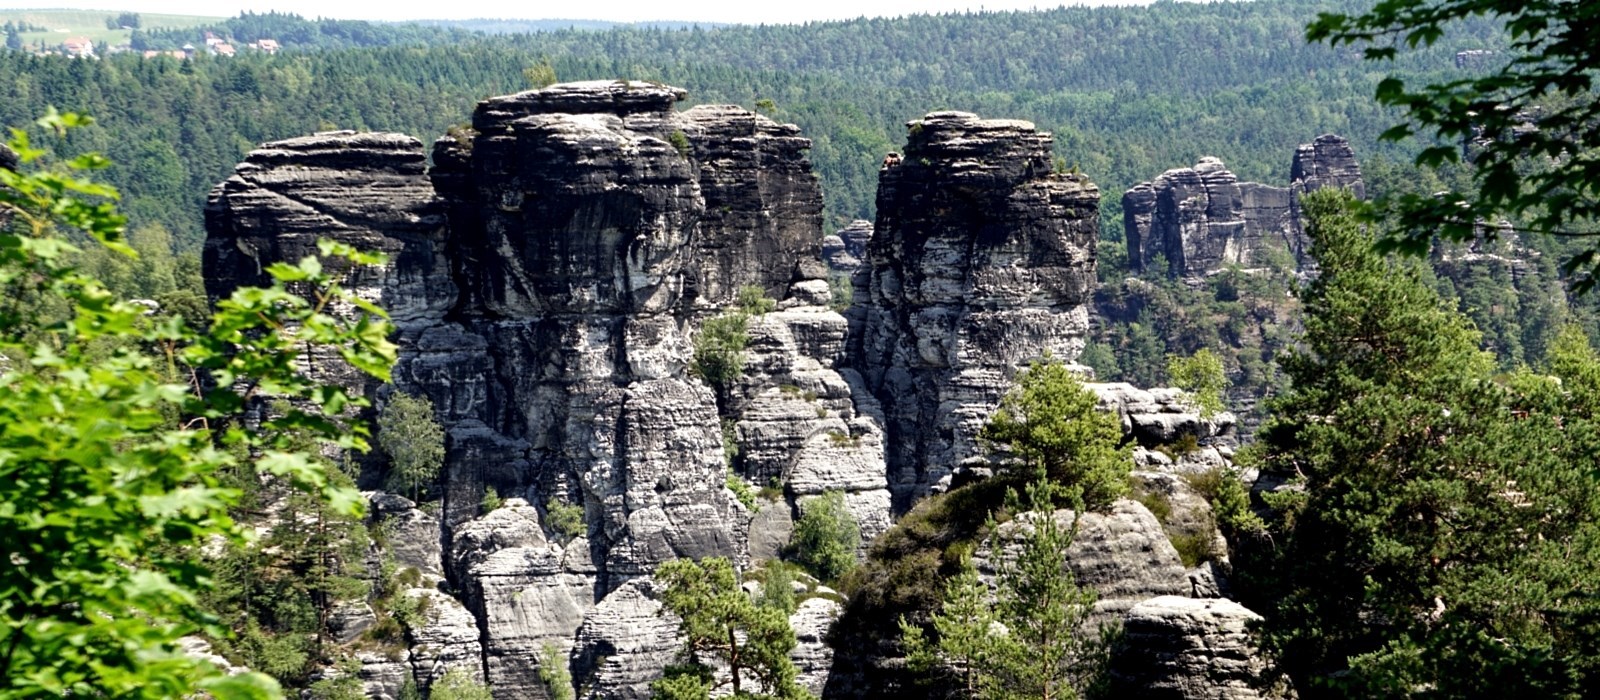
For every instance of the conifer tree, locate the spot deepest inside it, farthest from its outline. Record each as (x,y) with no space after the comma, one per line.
(724,628)
(1442,540)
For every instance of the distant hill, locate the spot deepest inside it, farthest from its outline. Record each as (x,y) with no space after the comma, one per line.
(525,26)
(92,24)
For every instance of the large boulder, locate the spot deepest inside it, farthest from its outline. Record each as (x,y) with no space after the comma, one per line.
(1177,648)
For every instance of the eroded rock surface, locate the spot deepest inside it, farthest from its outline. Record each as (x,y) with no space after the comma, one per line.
(981,261)
(1189,649)
(1203,218)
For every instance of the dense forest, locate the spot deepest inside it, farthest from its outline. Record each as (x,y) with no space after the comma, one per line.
(1128,92)
(1408,508)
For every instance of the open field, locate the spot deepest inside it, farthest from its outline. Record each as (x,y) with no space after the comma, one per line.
(90,23)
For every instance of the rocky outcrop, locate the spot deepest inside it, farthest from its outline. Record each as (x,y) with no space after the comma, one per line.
(844,251)
(547,277)
(763,205)
(8,158)
(981,261)
(1188,649)
(1123,554)
(1203,218)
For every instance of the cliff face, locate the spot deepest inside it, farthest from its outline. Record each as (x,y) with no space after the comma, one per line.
(1203,218)
(980,262)
(549,276)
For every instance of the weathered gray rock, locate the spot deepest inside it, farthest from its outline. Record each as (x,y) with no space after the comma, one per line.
(981,261)
(449,638)
(1189,649)
(349,618)
(1203,218)
(845,250)
(1156,417)
(1123,554)
(812,657)
(624,644)
(383,674)
(763,205)
(520,590)
(8,158)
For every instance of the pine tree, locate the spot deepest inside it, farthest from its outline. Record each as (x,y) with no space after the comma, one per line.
(1049,422)
(722,627)
(1443,540)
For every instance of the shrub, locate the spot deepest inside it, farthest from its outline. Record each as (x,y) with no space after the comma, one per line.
(753,301)
(491,501)
(565,519)
(826,537)
(742,491)
(458,684)
(1202,377)
(719,352)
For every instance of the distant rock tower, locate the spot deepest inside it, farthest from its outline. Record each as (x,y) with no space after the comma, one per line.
(1202,218)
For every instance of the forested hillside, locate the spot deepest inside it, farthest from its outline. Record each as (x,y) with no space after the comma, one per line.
(1128,91)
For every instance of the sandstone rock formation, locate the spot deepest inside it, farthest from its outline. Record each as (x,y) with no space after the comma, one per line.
(549,276)
(844,251)
(981,261)
(1203,218)
(1188,649)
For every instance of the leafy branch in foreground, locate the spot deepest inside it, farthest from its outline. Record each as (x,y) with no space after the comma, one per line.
(116,429)
(1533,125)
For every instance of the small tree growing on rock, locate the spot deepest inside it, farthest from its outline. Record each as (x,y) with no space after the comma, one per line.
(826,537)
(1029,639)
(723,627)
(414,441)
(1049,423)
(1201,376)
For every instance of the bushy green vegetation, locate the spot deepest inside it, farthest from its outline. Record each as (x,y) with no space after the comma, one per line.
(127,450)
(1045,649)
(723,627)
(719,352)
(1201,376)
(1442,533)
(1049,425)
(565,519)
(459,684)
(826,536)
(414,442)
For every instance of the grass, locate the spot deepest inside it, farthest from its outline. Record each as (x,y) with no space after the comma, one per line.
(92,24)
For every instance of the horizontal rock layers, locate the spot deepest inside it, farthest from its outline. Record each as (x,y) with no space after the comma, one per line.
(1203,218)
(549,277)
(981,261)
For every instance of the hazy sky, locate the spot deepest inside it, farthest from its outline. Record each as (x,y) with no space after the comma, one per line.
(746,11)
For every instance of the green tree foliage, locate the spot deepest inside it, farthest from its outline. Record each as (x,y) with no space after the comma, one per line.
(721,624)
(777,589)
(1049,424)
(963,627)
(1530,123)
(1202,377)
(414,442)
(553,673)
(565,519)
(1442,541)
(459,684)
(826,536)
(1044,650)
(719,352)
(115,471)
